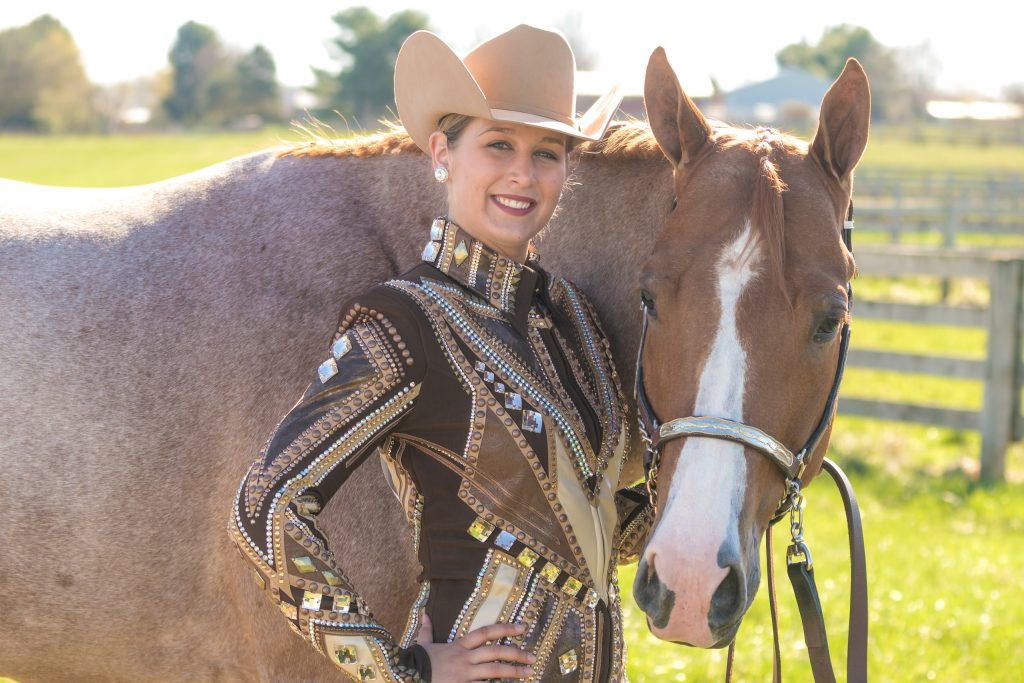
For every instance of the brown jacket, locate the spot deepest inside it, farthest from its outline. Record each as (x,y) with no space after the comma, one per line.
(487,388)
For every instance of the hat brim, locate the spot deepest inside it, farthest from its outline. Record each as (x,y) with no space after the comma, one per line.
(432,81)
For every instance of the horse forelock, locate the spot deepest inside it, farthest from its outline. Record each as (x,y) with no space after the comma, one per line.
(767,213)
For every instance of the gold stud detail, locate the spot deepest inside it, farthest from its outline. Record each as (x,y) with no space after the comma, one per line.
(461,253)
(567,662)
(480,529)
(304,565)
(527,557)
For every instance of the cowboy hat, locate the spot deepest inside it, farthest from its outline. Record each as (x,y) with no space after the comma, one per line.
(524,75)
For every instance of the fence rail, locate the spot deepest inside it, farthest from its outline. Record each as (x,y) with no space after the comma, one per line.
(999,419)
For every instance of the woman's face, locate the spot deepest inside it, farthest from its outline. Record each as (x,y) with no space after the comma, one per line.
(504,182)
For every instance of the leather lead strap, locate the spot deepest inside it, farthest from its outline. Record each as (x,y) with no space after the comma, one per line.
(773,606)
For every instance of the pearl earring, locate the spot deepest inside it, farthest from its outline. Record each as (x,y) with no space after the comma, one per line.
(441,174)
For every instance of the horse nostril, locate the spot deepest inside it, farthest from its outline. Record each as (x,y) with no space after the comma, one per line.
(728,602)
(651,594)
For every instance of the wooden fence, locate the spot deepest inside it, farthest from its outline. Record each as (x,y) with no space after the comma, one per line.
(949,205)
(999,419)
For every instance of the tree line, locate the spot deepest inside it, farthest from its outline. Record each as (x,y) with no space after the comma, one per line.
(206,83)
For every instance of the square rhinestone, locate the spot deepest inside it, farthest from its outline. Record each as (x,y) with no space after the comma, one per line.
(311,600)
(480,529)
(505,540)
(332,579)
(327,370)
(550,572)
(480,366)
(488,376)
(346,655)
(437,229)
(342,346)
(304,565)
(342,603)
(513,401)
(572,586)
(499,388)
(567,662)
(430,251)
(461,253)
(532,421)
(592,598)
(528,558)
(367,673)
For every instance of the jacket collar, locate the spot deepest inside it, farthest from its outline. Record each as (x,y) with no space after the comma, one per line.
(507,285)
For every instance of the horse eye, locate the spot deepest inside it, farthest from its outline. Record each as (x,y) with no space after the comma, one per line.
(827,329)
(648,300)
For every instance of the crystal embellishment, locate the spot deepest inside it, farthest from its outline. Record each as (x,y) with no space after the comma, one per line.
(480,366)
(513,401)
(568,662)
(572,586)
(341,347)
(488,376)
(528,558)
(367,673)
(346,655)
(550,572)
(461,253)
(532,421)
(592,598)
(304,565)
(499,388)
(332,579)
(327,370)
(480,529)
(430,251)
(342,603)
(505,540)
(311,600)
(437,229)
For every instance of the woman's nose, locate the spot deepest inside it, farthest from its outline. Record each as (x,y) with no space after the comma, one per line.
(521,169)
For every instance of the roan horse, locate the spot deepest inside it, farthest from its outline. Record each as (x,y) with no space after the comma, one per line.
(152,336)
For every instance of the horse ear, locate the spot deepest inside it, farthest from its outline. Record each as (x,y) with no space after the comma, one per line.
(843,124)
(678,126)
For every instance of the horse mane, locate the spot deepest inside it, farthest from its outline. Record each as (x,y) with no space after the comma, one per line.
(623,141)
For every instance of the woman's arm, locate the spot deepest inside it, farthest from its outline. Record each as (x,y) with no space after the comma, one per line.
(364,388)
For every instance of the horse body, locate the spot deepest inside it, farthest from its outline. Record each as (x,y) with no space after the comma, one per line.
(145,329)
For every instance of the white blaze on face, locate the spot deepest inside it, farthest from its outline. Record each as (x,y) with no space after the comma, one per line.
(706,491)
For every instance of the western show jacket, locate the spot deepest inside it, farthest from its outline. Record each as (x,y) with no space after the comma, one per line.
(487,388)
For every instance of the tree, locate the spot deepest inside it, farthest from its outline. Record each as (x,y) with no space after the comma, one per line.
(258,92)
(43,82)
(896,92)
(367,49)
(215,85)
(197,59)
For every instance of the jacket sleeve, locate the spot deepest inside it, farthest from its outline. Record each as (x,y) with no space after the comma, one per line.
(636,514)
(365,387)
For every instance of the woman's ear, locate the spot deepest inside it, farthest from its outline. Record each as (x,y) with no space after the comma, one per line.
(439,150)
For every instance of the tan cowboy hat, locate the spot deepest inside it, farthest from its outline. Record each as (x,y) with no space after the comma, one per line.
(524,75)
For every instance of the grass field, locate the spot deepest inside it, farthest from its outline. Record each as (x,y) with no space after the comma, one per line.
(944,554)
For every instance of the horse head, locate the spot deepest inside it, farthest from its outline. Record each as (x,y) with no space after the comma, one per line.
(746,294)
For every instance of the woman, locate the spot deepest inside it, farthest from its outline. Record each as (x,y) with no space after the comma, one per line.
(486,386)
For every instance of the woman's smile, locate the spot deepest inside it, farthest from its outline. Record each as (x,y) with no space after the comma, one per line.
(515,205)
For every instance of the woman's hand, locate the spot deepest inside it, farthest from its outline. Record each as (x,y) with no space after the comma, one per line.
(469,660)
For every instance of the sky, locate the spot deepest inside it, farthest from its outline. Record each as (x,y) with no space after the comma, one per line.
(974,44)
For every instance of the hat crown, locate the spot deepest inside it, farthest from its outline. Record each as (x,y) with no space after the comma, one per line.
(527,69)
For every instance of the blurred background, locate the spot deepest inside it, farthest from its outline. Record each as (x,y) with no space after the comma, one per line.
(105,94)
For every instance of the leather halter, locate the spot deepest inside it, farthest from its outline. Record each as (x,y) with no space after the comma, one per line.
(656,434)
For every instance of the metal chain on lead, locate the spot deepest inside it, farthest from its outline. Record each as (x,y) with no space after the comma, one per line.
(798,550)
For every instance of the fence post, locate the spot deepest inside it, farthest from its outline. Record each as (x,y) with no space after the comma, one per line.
(999,411)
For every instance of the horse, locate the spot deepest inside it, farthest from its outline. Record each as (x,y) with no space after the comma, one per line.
(153,335)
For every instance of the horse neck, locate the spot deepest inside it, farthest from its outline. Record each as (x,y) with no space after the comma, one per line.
(603,234)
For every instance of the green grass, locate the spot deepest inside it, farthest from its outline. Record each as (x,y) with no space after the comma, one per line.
(943,553)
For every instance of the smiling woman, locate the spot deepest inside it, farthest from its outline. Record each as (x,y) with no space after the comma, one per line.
(486,387)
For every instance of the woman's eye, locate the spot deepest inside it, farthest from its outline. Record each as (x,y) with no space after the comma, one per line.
(500,144)
(548,155)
